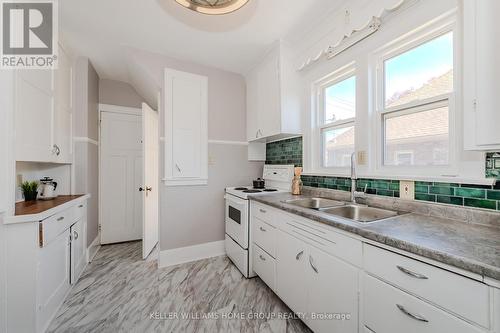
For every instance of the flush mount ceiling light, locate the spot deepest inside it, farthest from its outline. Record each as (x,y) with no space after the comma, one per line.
(212,7)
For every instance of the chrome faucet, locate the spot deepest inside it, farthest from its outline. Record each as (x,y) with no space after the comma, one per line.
(355,194)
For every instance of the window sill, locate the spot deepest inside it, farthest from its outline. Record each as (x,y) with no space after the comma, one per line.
(438,179)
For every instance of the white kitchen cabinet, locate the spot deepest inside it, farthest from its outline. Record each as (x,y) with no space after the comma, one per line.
(333,291)
(78,250)
(42,255)
(273,103)
(480,74)
(53,280)
(43,113)
(186,128)
(291,274)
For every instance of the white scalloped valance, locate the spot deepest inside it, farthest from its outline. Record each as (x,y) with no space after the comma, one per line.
(360,20)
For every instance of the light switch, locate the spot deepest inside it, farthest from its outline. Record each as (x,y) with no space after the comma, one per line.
(407,189)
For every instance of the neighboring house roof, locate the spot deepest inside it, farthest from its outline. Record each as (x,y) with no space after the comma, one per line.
(413,126)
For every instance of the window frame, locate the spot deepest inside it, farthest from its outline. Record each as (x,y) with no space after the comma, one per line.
(407,42)
(319,123)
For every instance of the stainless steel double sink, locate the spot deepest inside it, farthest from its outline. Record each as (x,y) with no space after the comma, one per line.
(358,213)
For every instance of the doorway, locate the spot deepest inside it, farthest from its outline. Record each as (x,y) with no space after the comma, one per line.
(128,164)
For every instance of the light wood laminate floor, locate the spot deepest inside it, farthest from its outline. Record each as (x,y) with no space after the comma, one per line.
(119,292)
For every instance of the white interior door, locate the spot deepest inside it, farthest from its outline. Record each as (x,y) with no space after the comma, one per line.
(121,175)
(150,184)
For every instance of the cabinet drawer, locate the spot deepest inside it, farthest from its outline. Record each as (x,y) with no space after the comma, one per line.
(51,227)
(265,266)
(267,214)
(80,210)
(264,235)
(334,243)
(390,310)
(461,295)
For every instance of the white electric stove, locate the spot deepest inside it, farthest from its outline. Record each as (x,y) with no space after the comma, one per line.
(278,178)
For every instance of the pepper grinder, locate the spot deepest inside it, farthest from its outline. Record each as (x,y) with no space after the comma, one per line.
(297,182)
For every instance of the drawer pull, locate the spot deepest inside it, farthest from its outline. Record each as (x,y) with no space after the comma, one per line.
(312,265)
(262,211)
(262,257)
(75,235)
(262,229)
(411,315)
(60,218)
(412,274)
(299,255)
(80,206)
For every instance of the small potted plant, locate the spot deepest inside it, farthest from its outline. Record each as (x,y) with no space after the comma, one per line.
(30,190)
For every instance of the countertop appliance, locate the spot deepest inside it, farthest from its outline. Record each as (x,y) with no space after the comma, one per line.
(278,178)
(47,189)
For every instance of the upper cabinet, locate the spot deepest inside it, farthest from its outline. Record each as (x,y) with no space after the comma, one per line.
(43,113)
(186,128)
(481,74)
(273,103)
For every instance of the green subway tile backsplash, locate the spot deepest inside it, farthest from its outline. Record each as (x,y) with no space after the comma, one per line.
(289,151)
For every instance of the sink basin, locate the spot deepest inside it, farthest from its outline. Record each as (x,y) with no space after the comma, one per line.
(315,203)
(361,213)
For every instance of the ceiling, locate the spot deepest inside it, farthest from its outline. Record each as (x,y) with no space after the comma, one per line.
(104,30)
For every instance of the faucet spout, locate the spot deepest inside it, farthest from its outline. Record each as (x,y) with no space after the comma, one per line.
(353,177)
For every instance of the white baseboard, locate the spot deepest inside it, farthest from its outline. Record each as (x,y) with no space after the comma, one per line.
(191,253)
(93,247)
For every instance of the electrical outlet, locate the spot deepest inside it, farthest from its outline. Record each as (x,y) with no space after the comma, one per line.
(361,159)
(407,189)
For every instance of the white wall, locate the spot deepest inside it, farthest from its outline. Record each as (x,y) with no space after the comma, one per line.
(118,93)
(86,129)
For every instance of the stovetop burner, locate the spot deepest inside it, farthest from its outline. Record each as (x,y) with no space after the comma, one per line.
(241,189)
(270,190)
(252,191)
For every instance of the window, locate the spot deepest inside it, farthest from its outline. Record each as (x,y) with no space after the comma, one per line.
(415,109)
(337,115)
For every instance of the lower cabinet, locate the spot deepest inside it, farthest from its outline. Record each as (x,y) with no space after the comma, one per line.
(318,285)
(53,280)
(291,275)
(44,258)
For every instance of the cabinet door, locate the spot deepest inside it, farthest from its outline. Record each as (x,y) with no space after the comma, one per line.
(252,106)
(53,277)
(34,105)
(333,293)
(63,109)
(186,135)
(291,281)
(488,71)
(78,257)
(269,105)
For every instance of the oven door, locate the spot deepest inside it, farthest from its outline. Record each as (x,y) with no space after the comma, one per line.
(237,220)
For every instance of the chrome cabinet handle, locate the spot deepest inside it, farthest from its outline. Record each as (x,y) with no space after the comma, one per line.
(412,274)
(262,229)
(80,206)
(262,211)
(60,218)
(411,315)
(141,189)
(257,134)
(297,257)
(56,150)
(75,235)
(312,265)
(178,168)
(262,257)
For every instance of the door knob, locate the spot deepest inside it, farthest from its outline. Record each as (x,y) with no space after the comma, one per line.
(141,189)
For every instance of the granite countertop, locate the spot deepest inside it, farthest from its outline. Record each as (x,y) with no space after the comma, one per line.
(474,248)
